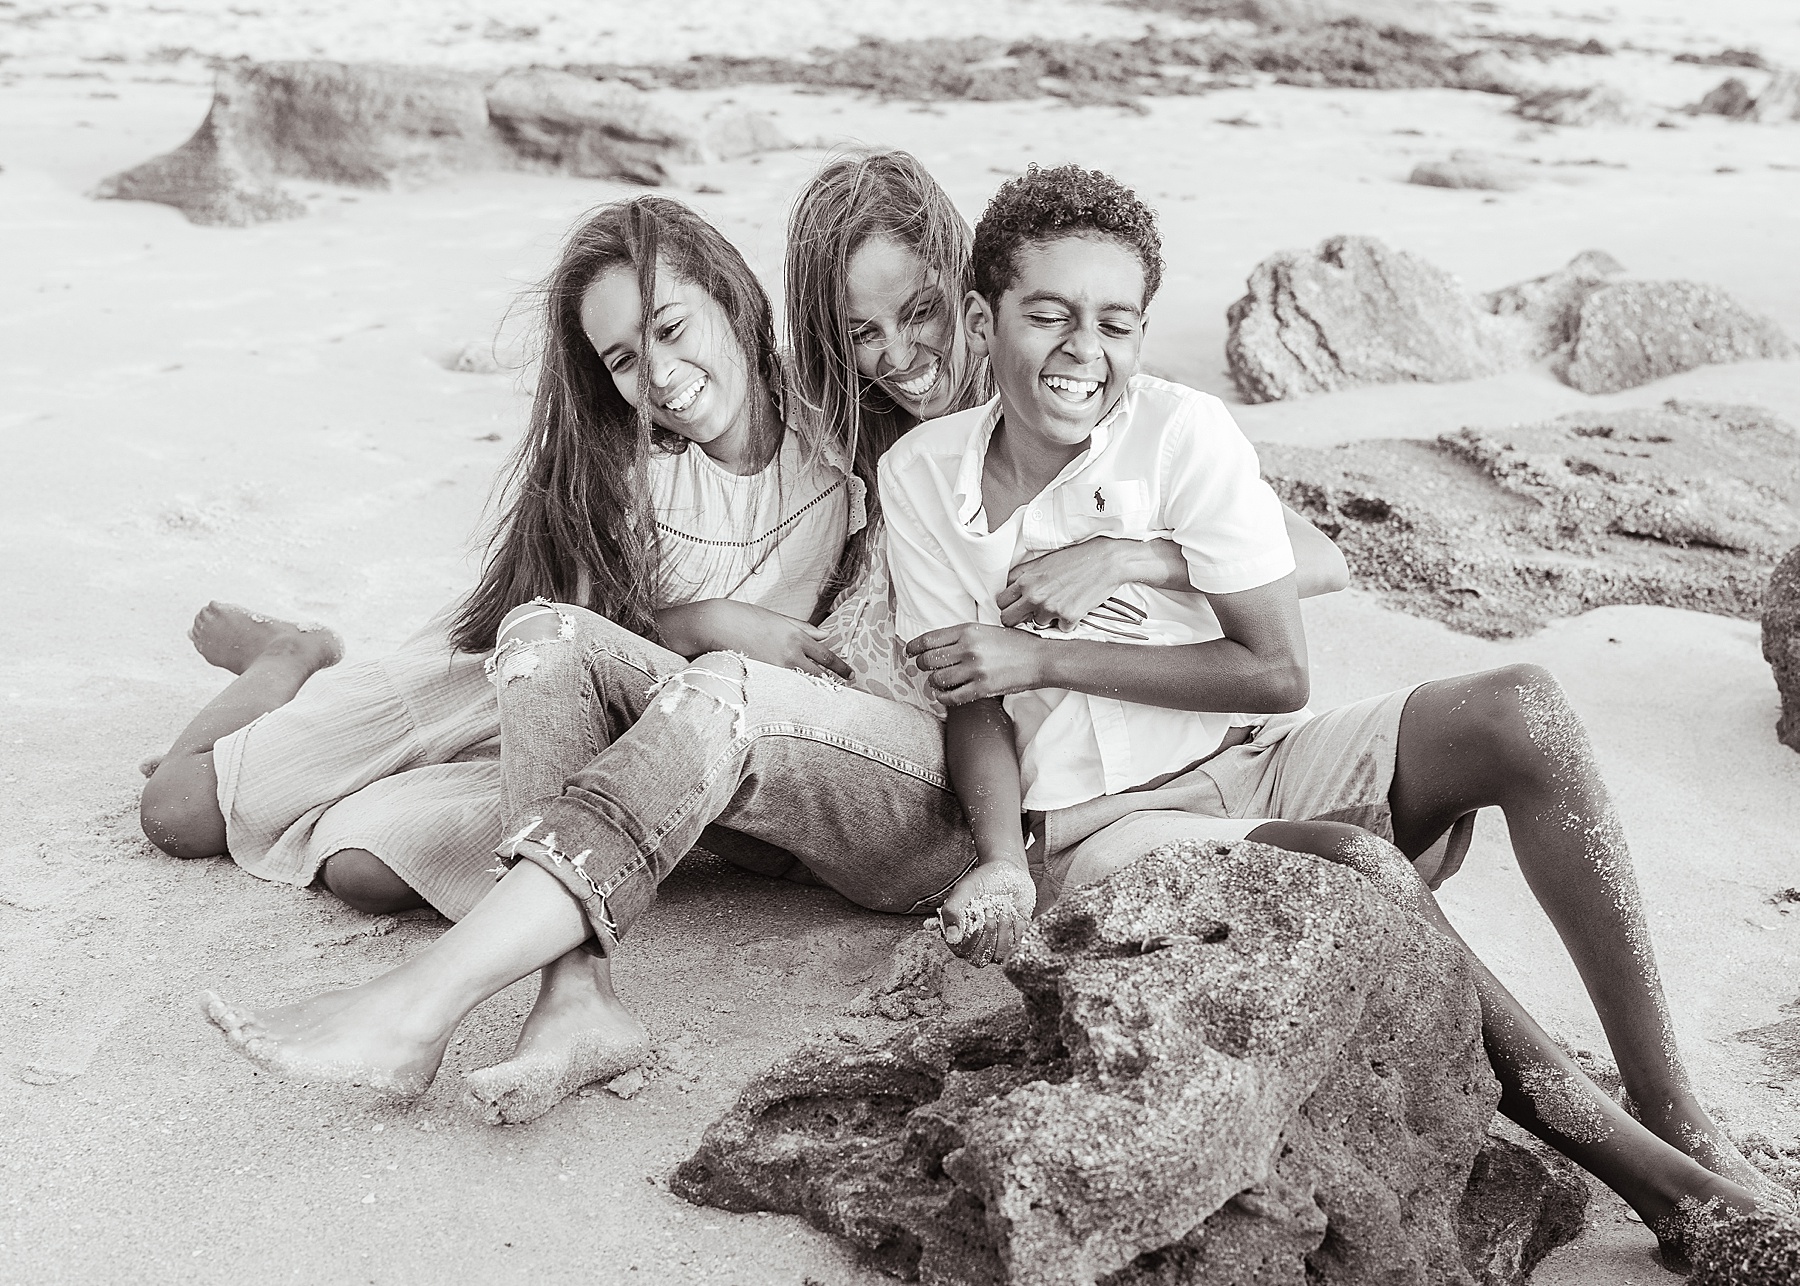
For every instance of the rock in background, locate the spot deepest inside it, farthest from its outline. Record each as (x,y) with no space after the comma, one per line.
(1230,1064)
(1495,531)
(373,125)
(1522,1202)
(1355,312)
(1781,643)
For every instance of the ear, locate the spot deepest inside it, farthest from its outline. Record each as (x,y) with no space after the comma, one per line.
(978,322)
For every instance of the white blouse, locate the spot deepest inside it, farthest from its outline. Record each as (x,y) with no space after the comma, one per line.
(770,538)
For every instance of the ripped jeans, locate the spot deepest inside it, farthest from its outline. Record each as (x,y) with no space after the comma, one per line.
(617,754)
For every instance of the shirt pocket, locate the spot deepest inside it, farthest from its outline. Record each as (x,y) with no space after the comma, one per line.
(1117,507)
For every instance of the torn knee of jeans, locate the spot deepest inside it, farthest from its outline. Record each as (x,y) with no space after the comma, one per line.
(711,677)
(524,629)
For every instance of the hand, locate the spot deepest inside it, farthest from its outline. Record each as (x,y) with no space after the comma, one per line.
(987,911)
(726,625)
(1057,589)
(966,663)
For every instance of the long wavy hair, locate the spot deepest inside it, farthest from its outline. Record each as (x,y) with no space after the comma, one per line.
(577,525)
(854,197)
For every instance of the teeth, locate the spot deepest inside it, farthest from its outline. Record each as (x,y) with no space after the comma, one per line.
(1080,388)
(921,386)
(684,399)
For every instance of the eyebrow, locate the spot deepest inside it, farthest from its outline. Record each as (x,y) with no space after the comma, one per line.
(1051,297)
(610,349)
(912,301)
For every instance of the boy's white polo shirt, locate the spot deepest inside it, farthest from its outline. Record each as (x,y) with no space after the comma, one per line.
(1166,462)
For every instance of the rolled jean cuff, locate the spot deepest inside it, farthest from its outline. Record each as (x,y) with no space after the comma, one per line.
(610,901)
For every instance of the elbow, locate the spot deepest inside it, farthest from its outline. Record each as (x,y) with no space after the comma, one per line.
(1286,688)
(1328,576)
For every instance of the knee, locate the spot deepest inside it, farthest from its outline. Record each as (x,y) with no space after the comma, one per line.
(178,821)
(363,882)
(1524,723)
(537,622)
(1345,845)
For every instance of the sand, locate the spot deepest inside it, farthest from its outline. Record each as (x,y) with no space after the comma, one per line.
(265,415)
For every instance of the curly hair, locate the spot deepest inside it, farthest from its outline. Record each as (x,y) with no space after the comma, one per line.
(1047,205)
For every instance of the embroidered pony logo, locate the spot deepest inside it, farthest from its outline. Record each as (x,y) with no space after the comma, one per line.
(1099,501)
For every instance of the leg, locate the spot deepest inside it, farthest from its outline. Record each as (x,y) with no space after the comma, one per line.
(1509,738)
(1541,1087)
(180,810)
(364,882)
(389,1034)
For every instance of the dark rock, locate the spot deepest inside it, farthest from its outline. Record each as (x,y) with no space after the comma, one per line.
(1757,1249)
(1548,307)
(1730,97)
(373,124)
(1633,332)
(1781,647)
(1230,1064)
(1522,1202)
(1470,170)
(1591,105)
(1355,312)
(1495,531)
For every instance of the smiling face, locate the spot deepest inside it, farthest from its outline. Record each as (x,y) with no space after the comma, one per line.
(902,328)
(1064,338)
(698,379)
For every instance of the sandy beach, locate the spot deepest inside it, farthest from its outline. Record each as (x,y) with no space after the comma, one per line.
(269,415)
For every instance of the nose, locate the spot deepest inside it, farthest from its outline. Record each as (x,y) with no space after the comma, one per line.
(662,367)
(1083,344)
(900,350)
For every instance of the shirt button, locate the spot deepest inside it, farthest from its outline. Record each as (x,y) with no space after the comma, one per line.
(1037,515)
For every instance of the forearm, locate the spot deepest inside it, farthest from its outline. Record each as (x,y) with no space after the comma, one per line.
(984,769)
(1216,675)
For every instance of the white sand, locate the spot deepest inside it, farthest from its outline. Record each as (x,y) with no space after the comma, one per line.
(261,415)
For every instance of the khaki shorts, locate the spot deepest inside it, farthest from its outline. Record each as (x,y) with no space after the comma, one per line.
(1337,766)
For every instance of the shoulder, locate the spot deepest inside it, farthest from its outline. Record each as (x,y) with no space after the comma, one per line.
(946,437)
(1164,403)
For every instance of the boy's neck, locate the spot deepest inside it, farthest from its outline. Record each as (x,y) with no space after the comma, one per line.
(1020,462)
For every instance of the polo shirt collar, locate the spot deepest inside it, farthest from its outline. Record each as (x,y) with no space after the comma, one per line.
(967,489)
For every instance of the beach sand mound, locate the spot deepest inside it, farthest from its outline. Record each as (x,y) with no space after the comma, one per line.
(1355,312)
(1494,532)
(1230,1064)
(1781,643)
(375,125)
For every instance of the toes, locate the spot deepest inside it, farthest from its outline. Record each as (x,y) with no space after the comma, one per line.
(218,1013)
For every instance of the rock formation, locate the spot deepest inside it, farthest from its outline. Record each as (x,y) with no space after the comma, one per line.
(1590,105)
(1494,531)
(1355,312)
(1781,643)
(1522,1202)
(1470,170)
(1633,332)
(374,125)
(1760,1249)
(1230,1064)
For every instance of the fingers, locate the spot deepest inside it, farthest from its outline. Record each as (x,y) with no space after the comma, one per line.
(1011,593)
(1018,611)
(935,639)
(823,656)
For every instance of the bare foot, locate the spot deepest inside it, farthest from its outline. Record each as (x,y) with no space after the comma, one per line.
(231,637)
(359,1037)
(578,1032)
(1685,1227)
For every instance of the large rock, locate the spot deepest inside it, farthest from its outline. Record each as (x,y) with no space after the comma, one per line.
(1636,331)
(1588,105)
(1230,1064)
(1494,531)
(1780,100)
(1522,1202)
(374,125)
(1355,312)
(1781,643)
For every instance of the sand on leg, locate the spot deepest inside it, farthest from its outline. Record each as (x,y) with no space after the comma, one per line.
(1509,738)
(388,1035)
(272,659)
(1541,1086)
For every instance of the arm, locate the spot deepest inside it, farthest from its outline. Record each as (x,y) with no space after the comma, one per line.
(992,904)
(1064,585)
(1258,667)
(726,625)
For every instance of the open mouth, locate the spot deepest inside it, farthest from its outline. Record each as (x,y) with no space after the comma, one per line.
(1071,390)
(685,398)
(921,384)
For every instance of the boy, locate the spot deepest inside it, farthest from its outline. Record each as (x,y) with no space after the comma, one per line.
(1079,444)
